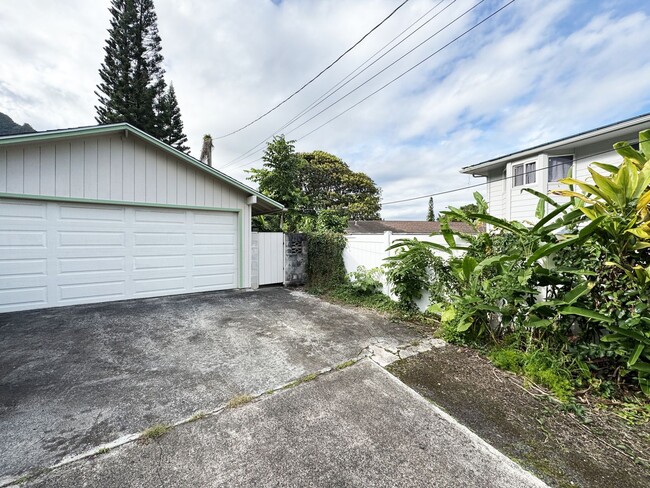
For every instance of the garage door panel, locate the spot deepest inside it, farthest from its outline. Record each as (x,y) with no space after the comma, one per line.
(159,238)
(159,286)
(95,291)
(91,238)
(223,219)
(145,216)
(62,254)
(23,298)
(22,239)
(91,264)
(214,270)
(214,239)
(200,260)
(22,267)
(86,214)
(23,281)
(176,261)
(22,211)
(222,280)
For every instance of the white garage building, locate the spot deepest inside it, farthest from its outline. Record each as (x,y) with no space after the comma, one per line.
(110,213)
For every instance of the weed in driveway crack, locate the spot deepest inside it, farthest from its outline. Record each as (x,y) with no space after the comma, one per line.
(301,380)
(197,416)
(155,431)
(239,400)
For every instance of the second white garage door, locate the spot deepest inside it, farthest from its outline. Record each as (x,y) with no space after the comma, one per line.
(55,254)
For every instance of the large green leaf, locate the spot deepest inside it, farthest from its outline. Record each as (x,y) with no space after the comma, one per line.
(583,312)
(577,292)
(536,228)
(644,143)
(497,222)
(635,355)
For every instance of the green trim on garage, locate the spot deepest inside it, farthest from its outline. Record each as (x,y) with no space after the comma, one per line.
(24,196)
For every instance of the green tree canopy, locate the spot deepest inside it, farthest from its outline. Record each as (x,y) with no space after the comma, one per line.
(132,87)
(169,123)
(309,183)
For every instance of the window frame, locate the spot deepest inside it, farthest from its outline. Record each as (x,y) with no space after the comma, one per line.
(527,177)
(558,156)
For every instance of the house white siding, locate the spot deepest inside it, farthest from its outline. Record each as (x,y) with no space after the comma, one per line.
(507,201)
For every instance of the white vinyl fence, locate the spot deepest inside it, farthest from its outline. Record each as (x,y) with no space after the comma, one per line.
(369,251)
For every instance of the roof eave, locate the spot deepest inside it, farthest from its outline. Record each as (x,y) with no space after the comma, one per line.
(484,167)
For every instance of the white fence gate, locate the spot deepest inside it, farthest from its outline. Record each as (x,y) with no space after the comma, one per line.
(271,258)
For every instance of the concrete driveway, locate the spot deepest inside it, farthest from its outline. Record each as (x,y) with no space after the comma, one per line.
(73,378)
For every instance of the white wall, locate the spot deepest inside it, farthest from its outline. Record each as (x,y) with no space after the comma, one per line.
(369,251)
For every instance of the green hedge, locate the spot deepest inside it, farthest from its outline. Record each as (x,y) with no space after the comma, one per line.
(325,267)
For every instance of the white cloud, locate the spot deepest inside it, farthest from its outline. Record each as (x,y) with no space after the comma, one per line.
(538,71)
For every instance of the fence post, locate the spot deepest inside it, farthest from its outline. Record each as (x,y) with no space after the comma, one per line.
(388,241)
(255,260)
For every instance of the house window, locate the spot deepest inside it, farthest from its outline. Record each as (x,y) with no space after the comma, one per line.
(524,173)
(559,167)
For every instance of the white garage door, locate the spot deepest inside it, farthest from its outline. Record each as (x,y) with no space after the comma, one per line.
(55,254)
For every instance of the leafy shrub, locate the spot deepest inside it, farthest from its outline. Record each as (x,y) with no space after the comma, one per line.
(365,281)
(577,278)
(409,271)
(325,266)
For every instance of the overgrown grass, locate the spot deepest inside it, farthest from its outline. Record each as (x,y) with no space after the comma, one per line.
(539,366)
(376,301)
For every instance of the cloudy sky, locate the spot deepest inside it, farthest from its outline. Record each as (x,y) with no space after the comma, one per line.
(537,71)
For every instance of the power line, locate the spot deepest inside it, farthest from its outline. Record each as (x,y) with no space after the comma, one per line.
(469,187)
(338,86)
(317,76)
(404,73)
(485,19)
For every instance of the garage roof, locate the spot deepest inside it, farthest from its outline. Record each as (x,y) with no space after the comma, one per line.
(264,204)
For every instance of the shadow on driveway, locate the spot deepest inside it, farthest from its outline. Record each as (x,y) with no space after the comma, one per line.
(75,377)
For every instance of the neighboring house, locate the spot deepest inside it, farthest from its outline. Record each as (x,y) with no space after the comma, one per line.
(540,167)
(108,213)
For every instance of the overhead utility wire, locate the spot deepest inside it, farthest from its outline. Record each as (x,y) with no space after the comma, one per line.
(404,73)
(477,185)
(491,181)
(317,76)
(338,86)
(397,77)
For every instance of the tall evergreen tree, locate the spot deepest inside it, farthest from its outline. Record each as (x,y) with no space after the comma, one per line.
(169,124)
(132,76)
(431,215)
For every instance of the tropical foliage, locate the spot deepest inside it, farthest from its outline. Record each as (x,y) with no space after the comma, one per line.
(574,286)
(310,183)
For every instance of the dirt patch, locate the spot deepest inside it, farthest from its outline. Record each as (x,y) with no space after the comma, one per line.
(535,432)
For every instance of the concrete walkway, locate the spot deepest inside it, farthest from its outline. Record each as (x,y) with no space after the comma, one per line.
(357,426)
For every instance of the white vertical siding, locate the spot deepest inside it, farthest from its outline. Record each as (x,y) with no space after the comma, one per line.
(111,168)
